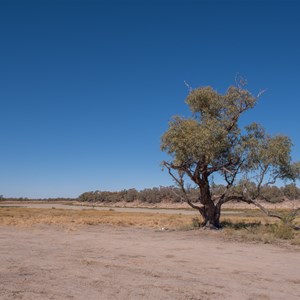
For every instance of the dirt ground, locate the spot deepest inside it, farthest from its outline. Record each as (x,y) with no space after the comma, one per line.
(106,262)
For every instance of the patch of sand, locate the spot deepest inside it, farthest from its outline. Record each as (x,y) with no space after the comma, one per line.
(106,262)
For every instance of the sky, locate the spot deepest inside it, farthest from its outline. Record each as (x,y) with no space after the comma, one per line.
(87,88)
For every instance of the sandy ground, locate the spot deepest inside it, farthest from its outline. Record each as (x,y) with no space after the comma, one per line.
(105,262)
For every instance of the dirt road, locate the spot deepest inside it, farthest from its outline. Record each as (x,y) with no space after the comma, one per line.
(104,262)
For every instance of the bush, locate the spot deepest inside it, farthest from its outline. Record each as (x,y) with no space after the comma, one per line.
(282,231)
(291,191)
(272,194)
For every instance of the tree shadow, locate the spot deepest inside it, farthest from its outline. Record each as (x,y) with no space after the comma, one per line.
(240,225)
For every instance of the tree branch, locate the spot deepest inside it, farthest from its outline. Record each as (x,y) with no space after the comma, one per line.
(180,183)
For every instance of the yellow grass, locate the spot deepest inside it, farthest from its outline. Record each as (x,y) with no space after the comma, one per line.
(30,216)
(21,216)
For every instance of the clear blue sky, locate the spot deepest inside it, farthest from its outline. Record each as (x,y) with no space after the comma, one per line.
(87,87)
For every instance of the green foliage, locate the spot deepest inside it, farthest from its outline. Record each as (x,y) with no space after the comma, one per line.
(211,135)
(263,151)
(209,104)
(188,140)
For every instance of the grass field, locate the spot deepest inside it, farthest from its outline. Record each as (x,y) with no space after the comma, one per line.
(249,225)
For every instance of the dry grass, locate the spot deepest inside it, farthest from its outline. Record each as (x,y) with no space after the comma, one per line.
(29,216)
(261,229)
(245,226)
(254,226)
(267,234)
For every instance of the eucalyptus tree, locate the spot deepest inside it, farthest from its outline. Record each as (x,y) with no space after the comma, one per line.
(211,141)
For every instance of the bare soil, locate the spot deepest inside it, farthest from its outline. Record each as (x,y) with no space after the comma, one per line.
(110,262)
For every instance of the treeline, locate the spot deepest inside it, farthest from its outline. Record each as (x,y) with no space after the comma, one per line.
(153,195)
(172,194)
(2,198)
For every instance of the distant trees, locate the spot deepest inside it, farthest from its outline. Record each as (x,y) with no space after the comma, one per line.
(212,142)
(149,195)
(291,191)
(37,199)
(172,194)
(169,194)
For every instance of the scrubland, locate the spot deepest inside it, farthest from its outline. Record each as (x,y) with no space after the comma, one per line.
(243,225)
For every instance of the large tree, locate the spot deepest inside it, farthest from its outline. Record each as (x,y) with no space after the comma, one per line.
(211,141)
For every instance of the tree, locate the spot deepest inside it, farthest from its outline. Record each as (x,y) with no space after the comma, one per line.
(211,141)
(291,191)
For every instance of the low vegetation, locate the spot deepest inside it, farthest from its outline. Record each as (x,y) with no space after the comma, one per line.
(266,233)
(242,225)
(30,216)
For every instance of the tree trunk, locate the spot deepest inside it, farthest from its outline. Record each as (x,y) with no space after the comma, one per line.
(211,212)
(211,217)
